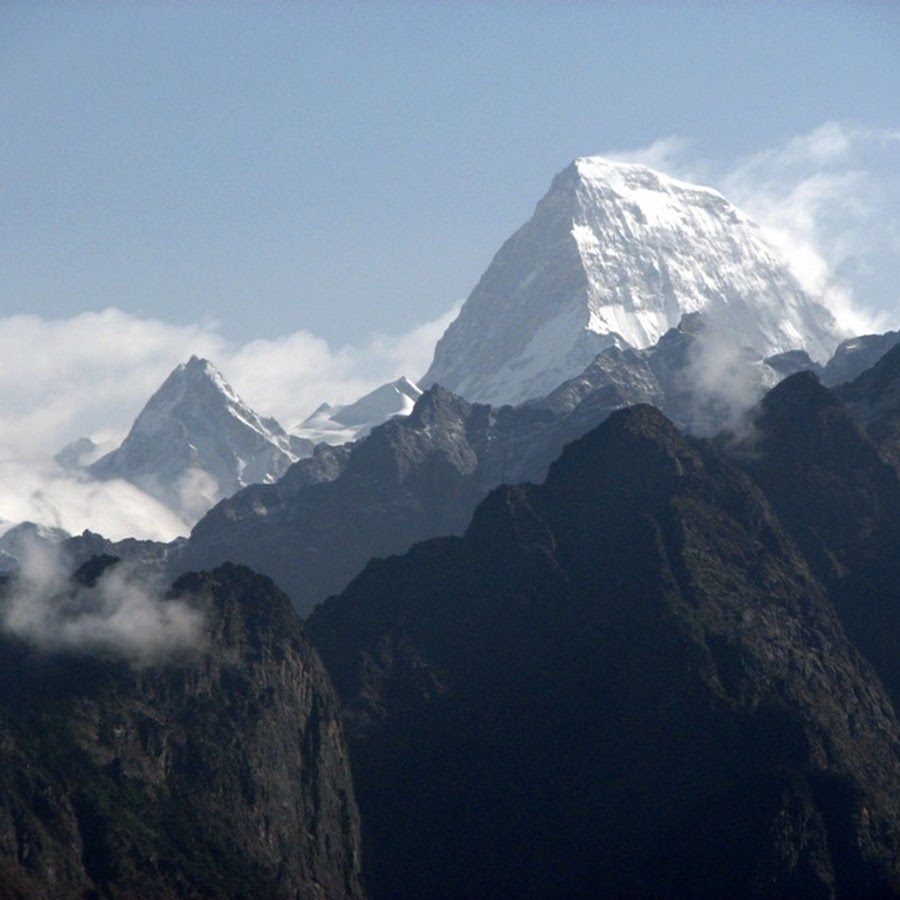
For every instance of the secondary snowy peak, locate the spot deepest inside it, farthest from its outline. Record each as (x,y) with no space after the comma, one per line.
(339,424)
(616,254)
(196,442)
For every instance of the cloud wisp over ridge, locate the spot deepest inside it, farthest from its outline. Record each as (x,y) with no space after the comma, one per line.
(119,615)
(829,201)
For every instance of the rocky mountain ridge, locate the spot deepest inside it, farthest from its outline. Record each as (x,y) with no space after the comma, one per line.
(422,476)
(632,670)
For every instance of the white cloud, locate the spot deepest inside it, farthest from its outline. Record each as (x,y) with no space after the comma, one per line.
(37,491)
(92,374)
(120,614)
(830,201)
(671,155)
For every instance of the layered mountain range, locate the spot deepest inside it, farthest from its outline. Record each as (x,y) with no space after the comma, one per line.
(609,609)
(654,672)
(615,256)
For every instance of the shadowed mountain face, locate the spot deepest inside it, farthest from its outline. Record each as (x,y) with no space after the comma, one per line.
(830,469)
(221,772)
(625,682)
(411,479)
(874,398)
(422,476)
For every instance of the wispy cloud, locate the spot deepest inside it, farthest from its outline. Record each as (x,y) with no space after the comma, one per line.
(829,201)
(119,615)
(92,374)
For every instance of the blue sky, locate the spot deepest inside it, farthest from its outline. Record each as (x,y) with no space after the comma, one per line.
(351,168)
(303,192)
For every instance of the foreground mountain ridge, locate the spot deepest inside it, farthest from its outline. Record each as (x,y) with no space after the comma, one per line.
(627,660)
(216,771)
(631,670)
(669,668)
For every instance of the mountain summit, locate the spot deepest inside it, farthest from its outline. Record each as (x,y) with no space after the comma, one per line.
(196,442)
(616,254)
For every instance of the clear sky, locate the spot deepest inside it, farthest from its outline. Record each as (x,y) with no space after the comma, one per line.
(302,192)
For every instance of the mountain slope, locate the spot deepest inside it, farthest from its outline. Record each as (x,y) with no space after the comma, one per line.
(410,479)
(624,682)
(830,469)
(619,252)
(196,442)
(218,771)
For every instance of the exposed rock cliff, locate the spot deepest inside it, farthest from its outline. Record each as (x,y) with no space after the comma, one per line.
(219,772)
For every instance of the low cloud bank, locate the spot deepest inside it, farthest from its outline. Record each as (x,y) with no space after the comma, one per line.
(38,491)
(92,374)
(120,615)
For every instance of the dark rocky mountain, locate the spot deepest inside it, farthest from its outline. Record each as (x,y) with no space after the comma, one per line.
(854,355)
(628,681)
(670,669)
(412,478)
(838,493)
(421,476)
(220,771)
(874,398)
(827,478)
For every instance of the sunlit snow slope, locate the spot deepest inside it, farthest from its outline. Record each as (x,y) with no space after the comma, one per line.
(617,253)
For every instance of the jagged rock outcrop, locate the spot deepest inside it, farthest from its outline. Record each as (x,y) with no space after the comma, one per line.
(854,355)
(701,377)
(220,771)
(624,682)
(874,399)
(830,469)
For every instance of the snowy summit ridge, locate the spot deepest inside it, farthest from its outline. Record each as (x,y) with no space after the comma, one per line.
(339,424)
(196,441)
(616,254)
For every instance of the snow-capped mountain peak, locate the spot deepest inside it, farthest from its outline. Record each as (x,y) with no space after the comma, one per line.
(196,442)
(620,250)
(335,424)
